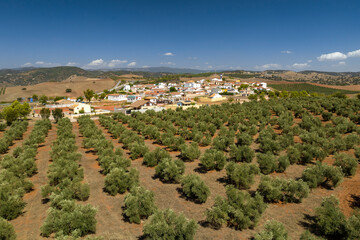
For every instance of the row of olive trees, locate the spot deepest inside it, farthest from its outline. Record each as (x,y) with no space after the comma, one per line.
(118,178)
(15,132)
(15,171)
(139,203)
(65,184)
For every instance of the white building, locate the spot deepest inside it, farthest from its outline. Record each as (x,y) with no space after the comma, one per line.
(117,97)
(263,84)
(80,108)
(192,84)
(127,87)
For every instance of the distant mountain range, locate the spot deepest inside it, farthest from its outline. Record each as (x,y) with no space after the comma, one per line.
(31,75)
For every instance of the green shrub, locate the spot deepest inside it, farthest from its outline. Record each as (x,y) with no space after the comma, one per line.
(70,219)
(190,153)
(283,163)
(119,181)
(279,189)
(169,170)
(267,162)
(139,204)
(194,188)
(321,174)
(308,236)
(168,225)
(238,210)
(346,163)
(329,220)
(241,175)
(151,159)
(326,116)
(213,159)
(138,150)
(7,231)
(244,139)
(273,230)
(294,155)
(241,153)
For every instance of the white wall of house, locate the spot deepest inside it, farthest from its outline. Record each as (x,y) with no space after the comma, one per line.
(82,106)
(117,97)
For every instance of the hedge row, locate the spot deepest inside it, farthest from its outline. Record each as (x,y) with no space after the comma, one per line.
(65,217)
(15,132)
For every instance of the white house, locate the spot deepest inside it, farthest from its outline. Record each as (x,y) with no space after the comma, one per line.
(117,97)
(192,84)
(263,84)
(80,108)
(127,87)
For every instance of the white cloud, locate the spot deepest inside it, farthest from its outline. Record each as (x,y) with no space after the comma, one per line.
(169,54)
(115,63)
(71,64)
(28,64)
(269,66)
(286,52)
(46,64)
(309,61)
(342,63)
(132,64)
(332,57)
(206,63)
(168,63)
(145,66)
(300,65)
(97,62)
(355,53)
(210,67)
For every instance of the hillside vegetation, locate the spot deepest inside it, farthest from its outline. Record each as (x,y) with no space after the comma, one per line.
(309,88)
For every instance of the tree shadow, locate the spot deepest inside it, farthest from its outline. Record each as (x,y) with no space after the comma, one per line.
(355,201)
(222,180)
(200,169)
(309,223)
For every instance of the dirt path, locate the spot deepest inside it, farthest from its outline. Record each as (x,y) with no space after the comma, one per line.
(110,223)
(28,225)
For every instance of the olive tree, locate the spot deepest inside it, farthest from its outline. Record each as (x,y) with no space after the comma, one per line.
(168,225)
(139,204)
(194,188)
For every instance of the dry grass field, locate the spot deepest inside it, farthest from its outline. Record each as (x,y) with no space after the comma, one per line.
(52,89)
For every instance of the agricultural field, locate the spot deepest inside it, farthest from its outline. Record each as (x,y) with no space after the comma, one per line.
(310,88)
(283,167)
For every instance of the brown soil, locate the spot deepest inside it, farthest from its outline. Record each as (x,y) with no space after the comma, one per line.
(52,89)
(27,226)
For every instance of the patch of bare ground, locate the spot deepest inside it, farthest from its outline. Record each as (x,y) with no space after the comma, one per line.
(27,226)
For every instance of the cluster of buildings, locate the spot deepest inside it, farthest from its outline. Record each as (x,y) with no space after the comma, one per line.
(141,97)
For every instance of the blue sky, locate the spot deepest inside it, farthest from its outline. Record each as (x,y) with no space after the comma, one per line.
(203,34)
